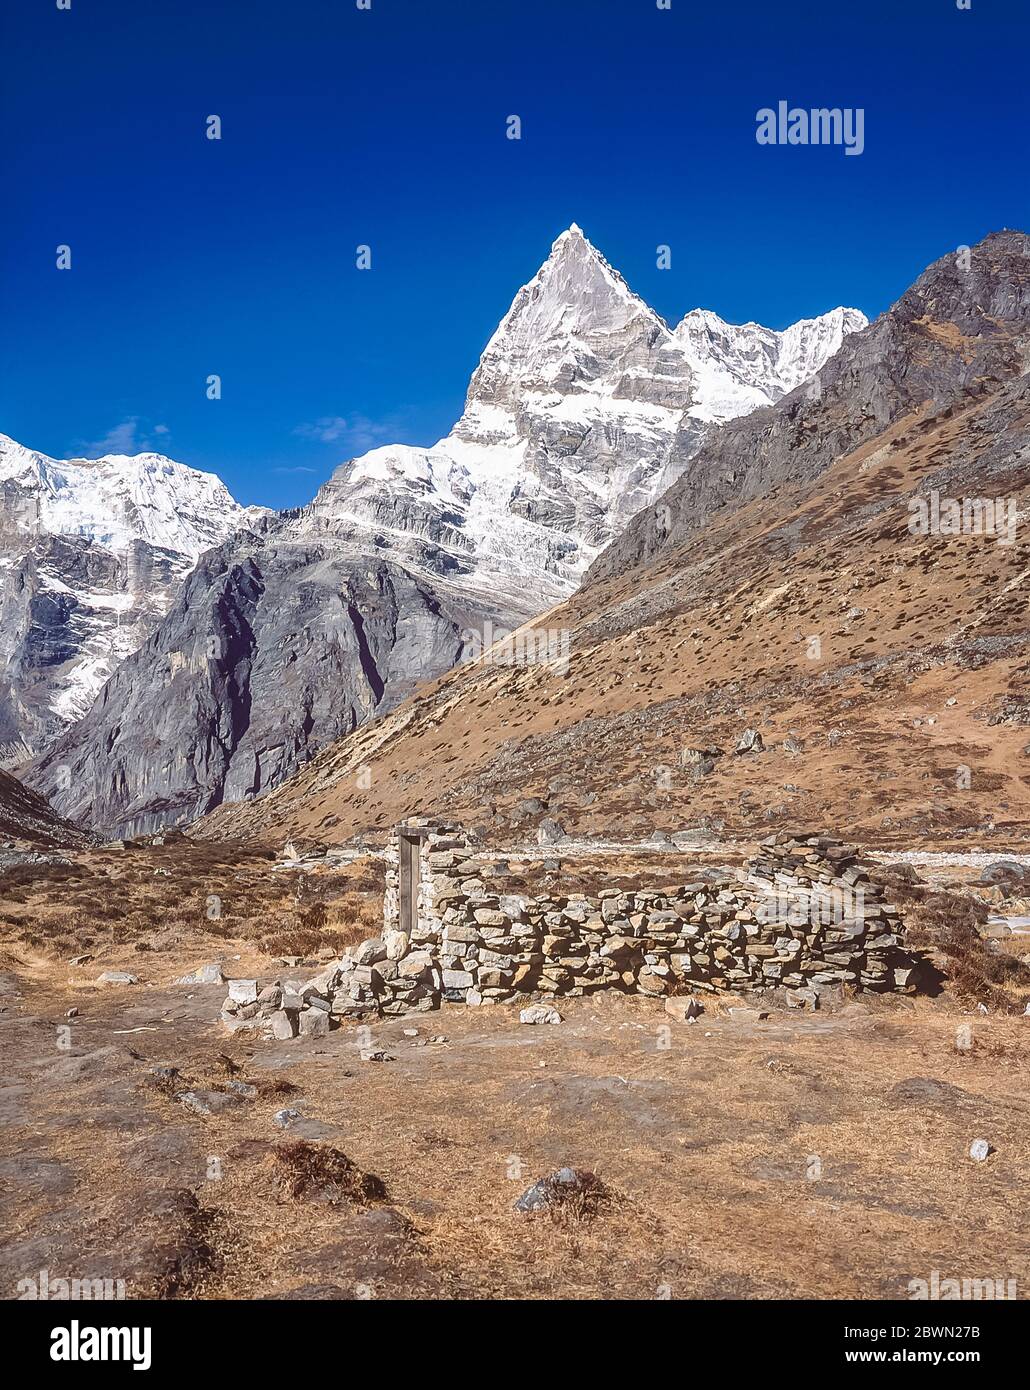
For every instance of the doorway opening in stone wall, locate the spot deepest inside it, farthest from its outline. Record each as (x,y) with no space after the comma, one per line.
(410,842)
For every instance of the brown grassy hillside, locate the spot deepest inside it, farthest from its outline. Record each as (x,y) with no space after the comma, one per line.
(918,684)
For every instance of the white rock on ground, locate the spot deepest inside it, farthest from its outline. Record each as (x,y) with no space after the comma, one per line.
(539,1013)
(204,975)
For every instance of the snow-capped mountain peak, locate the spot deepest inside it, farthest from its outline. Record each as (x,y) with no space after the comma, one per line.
(569,429)
(92,552)
(576,321)
(807,344)
(120,498)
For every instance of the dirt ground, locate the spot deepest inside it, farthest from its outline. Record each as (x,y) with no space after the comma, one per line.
(816,1155)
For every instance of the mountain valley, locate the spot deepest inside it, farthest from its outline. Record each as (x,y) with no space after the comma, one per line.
(303,626)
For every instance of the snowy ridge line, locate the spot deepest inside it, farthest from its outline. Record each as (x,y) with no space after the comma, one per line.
(120,498)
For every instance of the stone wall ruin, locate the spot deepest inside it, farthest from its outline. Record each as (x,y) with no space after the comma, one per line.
(802,914)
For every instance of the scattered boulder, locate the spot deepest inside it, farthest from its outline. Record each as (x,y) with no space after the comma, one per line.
(102,1062)
(569,1188)
(208,1102)
(306,1128)
(997,930)
(908,873)
(700,762)
(1004,871)
(699,755)
(117,977)
(979,1150)
(550,832)
(683,1007)
(661,839)
(750,741)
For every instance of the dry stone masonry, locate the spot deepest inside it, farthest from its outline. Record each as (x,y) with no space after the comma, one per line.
(801,915)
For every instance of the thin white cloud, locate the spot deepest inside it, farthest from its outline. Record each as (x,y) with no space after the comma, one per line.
(357,432)
(367,434)
(122,439)
(325,430)
(127,437)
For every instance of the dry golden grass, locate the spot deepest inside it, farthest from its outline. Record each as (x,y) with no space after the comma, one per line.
(702,1135)
(949,925)
(185,898)
(702,1138)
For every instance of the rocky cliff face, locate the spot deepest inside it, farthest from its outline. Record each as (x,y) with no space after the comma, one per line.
(268,648)
(91,553)
(295,633)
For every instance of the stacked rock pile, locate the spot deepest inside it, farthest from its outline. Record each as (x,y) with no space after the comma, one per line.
(816,885)
(280,1010)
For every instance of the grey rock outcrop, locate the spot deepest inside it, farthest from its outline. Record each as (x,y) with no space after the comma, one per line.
(27,819)
(269,651)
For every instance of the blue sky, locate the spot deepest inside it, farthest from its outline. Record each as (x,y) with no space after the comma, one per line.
(387,127)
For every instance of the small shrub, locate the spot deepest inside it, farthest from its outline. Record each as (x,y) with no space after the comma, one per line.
(319,1172)
(950,923)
